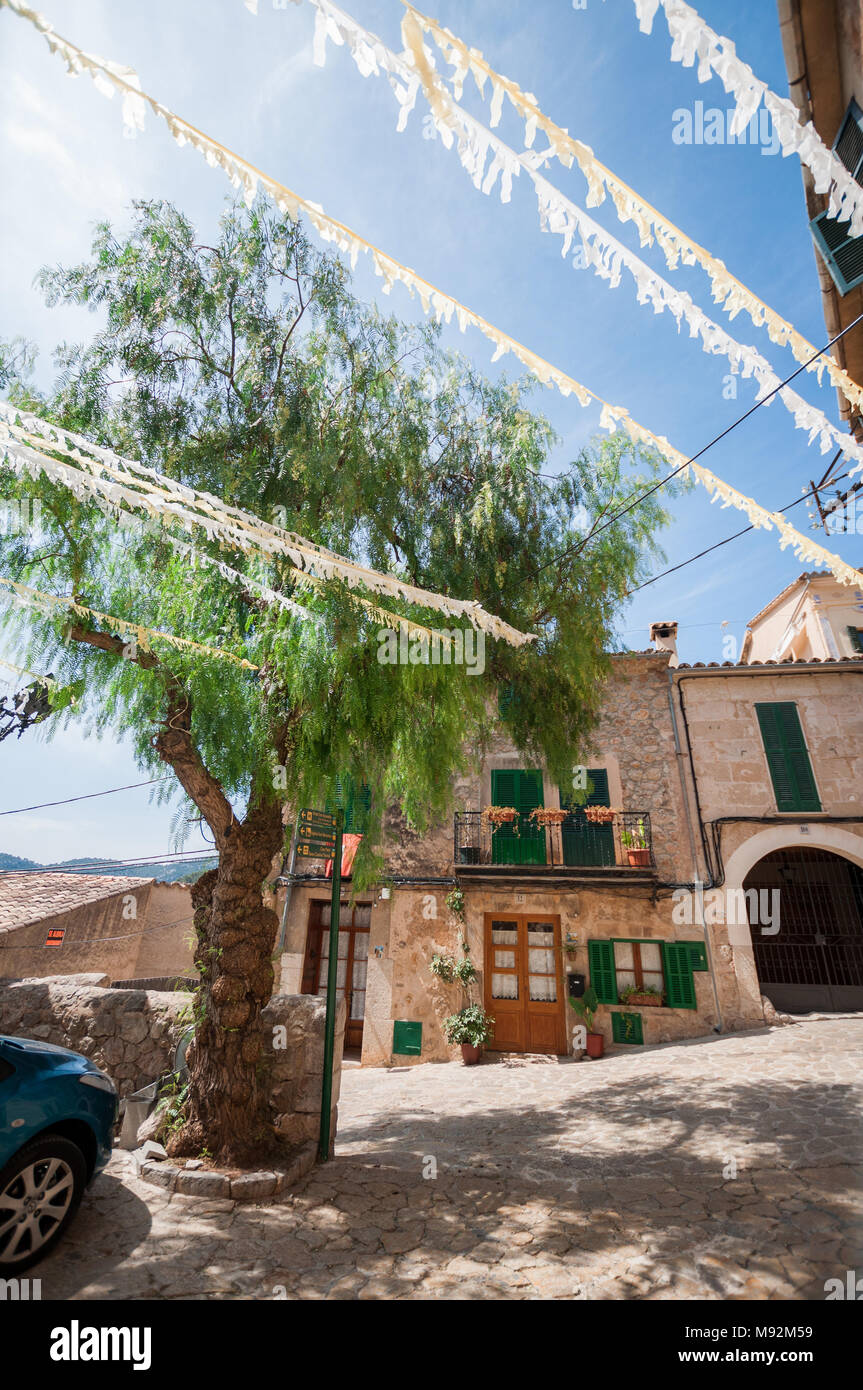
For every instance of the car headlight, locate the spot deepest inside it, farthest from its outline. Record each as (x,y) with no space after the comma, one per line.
(99,1081)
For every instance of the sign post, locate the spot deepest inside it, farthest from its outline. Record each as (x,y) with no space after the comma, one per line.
(332,971)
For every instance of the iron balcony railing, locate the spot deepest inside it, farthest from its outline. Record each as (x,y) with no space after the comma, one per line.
(625,842)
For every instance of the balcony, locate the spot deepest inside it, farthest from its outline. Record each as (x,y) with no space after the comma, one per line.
(575,848)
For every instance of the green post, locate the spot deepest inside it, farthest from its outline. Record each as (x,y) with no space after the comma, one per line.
(332,978)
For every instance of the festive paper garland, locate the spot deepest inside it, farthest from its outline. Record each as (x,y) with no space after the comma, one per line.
(16,448)
(732,294)
(143,635)
(694,39)
(602,252)
(251,180)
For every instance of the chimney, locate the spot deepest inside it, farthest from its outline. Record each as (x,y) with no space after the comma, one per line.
(664,638)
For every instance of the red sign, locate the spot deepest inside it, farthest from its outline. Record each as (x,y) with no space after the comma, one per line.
(55,936)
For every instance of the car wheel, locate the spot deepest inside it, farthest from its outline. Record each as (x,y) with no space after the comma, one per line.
(40,1190)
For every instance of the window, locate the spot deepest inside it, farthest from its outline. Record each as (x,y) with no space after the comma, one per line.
(638,964)
(355,800)
(787,758)
(855,637)
(583,842)
(841,253)
(523,841)
(662,965)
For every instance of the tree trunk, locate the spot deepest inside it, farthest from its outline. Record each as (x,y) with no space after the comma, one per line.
(226,1110)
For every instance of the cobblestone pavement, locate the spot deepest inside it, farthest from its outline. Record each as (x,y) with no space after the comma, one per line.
(609,1179)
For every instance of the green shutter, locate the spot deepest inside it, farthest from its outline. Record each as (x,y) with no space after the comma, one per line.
(584,843)
(855,636)
(524,843)
(790,768)
(603,977)
(354,799)
(697,954)
(677,968)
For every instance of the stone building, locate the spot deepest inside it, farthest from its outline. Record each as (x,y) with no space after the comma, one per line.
(67,924)
(822,42)
(723,779)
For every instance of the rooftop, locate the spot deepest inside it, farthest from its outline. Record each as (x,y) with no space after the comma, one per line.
(29,897)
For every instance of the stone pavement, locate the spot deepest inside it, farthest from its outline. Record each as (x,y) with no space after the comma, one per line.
(719,1168)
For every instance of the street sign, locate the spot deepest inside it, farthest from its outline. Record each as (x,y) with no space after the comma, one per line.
(321,820)
(316,849)
(316,834)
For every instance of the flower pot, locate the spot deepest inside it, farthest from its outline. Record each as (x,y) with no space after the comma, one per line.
(599,815)
(470,1054)
(644,1001)
(595,1044)
(638,858)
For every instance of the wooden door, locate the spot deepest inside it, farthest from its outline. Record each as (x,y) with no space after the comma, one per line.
(524,982)
(354,926)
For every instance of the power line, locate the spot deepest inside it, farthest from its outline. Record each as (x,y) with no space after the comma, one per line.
(718,544)
(105,867)
(716,440)
(88,797)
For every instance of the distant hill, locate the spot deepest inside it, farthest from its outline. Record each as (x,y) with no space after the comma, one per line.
(187,871)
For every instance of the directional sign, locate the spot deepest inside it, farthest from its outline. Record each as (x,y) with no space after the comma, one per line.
(316,849)
(321,820)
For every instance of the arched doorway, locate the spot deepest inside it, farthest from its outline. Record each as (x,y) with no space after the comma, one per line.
(815,960)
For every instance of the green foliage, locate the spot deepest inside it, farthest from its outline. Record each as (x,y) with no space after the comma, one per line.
(465,971)
(244,365)
(444,967)
(628,991)
(586,1007)
(455,902)
(470,1025)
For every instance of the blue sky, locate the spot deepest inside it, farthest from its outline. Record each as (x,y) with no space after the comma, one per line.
(330,135)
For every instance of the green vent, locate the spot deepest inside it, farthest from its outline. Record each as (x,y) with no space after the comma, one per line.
(627,1028)
(407,1038)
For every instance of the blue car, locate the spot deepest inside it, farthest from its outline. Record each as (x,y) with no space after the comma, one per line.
(57,1116)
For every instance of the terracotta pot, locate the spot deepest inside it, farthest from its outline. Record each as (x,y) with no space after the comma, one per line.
(638,857)
(595,1045)
(470,1054)
(645,1001)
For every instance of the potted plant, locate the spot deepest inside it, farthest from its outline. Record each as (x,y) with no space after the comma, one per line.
(471,1027)
(586,1008)
(496,816)
(549,815)
(600,815)
(646,997)
(636,844)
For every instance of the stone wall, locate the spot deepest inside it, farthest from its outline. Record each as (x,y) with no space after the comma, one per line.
(131,1034)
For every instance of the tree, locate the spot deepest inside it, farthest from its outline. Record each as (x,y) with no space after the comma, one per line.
(248,368)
